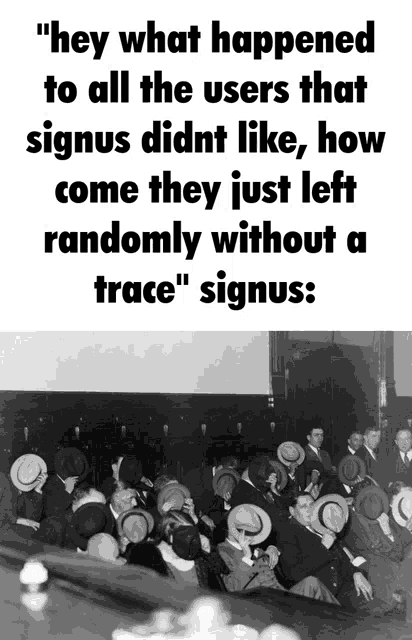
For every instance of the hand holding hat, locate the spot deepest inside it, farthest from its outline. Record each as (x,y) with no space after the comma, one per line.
(26,471)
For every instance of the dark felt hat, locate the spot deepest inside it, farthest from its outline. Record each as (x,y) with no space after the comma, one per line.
(262,467)
(173,493)
(351,469)
(135,524)
(225,480)
(70,462)
(130,471)
(89,519)
(371,502)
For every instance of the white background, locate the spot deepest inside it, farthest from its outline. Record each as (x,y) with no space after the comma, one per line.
(50,292)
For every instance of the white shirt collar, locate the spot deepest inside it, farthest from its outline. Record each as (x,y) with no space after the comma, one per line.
(234,544)
(351,450)
(115,515)
(371,452)
(408,454)
(314,449)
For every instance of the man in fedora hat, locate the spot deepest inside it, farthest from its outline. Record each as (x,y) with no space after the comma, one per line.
(249,526)
(200,483)
(21,499)
(262,484)
(306,552)
(291,455)
(71,466)
(381,540)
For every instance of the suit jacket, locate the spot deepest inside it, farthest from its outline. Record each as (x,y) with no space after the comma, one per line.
(56,499)
(325,460)
(374,468)
(199,483)
(303,555)
(395,469)
(146,554)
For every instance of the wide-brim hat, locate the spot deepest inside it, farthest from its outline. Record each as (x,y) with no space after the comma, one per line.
(174,493)
(402,506)
(223,475)
(70,462)
(281,473)
(253,520)
(135,524)
(371,502)
(350,469)
(329,513)
(25,471)
(291,453)
(87,521)
(130,470)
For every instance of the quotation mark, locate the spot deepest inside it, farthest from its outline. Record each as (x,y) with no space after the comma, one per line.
(40,29)
(185,278)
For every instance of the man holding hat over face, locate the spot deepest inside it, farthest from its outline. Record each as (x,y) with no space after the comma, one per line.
(71,467)
(308,547)
(249,526)
(383,541)
(262,484)
(21,500)
(291,455)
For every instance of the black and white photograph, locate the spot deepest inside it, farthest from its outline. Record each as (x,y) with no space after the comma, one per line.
(269,470)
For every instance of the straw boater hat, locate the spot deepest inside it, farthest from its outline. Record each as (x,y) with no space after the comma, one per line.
(290,452)
(70,462)
(371,502)
(329,513)
(402,506)
(251,519)
(173,493)
(135,524)
(225,480)
(350,469)
(25,471)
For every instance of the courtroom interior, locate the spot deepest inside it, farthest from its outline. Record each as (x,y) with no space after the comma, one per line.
(258,484)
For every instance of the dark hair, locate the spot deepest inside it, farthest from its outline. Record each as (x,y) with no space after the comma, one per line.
(356,433)
(395,488)
(369,430)
(259,471)
(357,488)
(171,521)
(228,462)
(82,492)
(292,501)
(161,481)
(314,428)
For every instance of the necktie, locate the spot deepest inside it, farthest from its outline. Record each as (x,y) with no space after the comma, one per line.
(406,460)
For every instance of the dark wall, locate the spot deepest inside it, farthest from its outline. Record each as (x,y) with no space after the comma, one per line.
(51,419)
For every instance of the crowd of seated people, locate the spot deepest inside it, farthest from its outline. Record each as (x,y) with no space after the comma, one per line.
(291,520)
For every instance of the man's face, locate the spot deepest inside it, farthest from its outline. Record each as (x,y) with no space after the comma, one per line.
(315,438)
(372,439)
(303,509)
(404,440)
(355,441)
(126,500)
